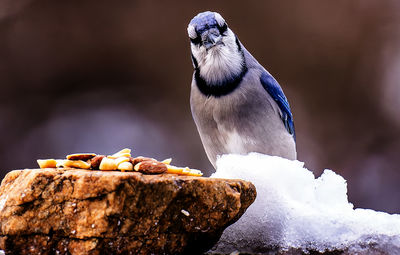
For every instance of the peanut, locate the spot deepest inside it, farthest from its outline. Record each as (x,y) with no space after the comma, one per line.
(120,160)
(167,161)
(108,164)
(125,166)
(174,169)
(122,153)
(183,171)
(77,164)
(47,163)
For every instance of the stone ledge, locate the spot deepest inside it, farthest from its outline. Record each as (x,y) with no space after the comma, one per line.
(89,212)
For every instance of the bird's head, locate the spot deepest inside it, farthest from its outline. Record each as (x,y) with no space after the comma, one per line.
(216,52)
(208,30)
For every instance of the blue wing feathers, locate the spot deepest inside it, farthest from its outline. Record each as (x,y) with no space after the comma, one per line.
(275,91)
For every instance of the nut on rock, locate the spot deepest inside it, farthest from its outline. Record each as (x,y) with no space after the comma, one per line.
(78,211)
(121,160)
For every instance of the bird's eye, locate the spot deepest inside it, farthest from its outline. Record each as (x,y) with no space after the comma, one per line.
(223,28)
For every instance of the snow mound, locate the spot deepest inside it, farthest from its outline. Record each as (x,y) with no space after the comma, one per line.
(294,210)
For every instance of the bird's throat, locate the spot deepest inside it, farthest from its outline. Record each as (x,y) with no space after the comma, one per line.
(219,70)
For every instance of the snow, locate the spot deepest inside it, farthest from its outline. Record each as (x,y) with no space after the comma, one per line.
(295,210)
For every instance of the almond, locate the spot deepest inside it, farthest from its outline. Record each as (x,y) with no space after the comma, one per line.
(151,167)
(137,160)
(95,161)
(81,156)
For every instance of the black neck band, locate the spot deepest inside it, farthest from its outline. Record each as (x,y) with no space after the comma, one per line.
(221,88)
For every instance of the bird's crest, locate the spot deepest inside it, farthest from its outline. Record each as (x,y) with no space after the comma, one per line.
(204,21)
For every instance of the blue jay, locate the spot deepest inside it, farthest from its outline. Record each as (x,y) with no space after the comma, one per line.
(237,105)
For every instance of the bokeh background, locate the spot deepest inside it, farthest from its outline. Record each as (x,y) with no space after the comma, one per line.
(97,76)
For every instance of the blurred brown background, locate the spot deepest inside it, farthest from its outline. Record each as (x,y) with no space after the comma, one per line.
(98,76)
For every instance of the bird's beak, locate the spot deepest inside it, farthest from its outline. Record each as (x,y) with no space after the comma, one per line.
(211,38)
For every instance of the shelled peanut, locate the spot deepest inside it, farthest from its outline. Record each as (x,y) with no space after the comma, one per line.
(122,161)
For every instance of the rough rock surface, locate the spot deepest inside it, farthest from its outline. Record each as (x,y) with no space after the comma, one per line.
(69,211)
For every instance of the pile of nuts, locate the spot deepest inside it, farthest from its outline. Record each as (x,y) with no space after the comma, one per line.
(122,161)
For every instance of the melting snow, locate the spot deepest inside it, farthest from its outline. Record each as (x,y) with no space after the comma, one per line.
(293,209)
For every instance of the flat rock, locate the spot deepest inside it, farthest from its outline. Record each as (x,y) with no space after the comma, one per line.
(71,211)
